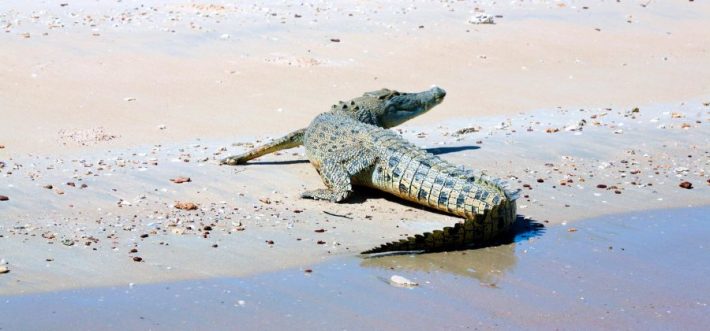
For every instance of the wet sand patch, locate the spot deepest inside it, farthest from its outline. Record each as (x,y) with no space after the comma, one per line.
(636,270)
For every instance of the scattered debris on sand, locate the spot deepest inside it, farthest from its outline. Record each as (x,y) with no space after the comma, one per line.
(481,18)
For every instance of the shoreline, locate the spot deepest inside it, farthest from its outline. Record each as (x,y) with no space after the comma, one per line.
(543,280)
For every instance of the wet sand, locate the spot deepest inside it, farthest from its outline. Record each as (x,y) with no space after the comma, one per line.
(642,270)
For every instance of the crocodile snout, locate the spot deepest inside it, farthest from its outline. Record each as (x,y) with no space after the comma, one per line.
(438,92)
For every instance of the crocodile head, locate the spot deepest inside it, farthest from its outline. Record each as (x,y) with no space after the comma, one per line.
(401,107)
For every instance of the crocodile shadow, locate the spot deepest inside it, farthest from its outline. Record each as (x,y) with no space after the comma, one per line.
(274,162)
(452,149)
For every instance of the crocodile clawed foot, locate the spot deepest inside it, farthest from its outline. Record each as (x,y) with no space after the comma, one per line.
(232,160)
(325,194)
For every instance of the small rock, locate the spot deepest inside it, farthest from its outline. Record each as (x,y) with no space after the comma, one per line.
(180,180)
(2,146)
(137,259)
(185,205)
(68,242)
(49,186)
(335,40)
(602,186)
(320,230)
(129,99)
(4,269)
(481,18)
(400,281)
(265,201)
(4,198)
(224,36)
(572,230)
(686,185)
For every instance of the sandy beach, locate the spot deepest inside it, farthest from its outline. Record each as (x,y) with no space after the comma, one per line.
(594,109)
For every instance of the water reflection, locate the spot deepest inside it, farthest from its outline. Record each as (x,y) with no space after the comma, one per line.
(486,264)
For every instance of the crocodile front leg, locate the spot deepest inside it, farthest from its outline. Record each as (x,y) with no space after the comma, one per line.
(291,140)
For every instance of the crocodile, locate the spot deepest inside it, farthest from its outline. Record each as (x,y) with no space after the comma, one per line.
(384,108)
(348,153)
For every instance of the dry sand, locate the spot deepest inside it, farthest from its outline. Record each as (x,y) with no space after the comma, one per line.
(122,97)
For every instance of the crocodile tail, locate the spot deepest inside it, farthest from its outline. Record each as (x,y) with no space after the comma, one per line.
(487,228)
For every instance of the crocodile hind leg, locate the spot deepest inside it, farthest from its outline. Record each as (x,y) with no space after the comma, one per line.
(337,183)
(291,140)
(337,173)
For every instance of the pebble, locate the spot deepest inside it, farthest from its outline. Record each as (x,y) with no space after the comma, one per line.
(180,180)
(185,205)
(686,185)
(400,281)
(4,198)
(4,269)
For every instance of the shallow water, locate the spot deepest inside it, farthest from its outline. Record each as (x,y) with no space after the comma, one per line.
(642,270)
